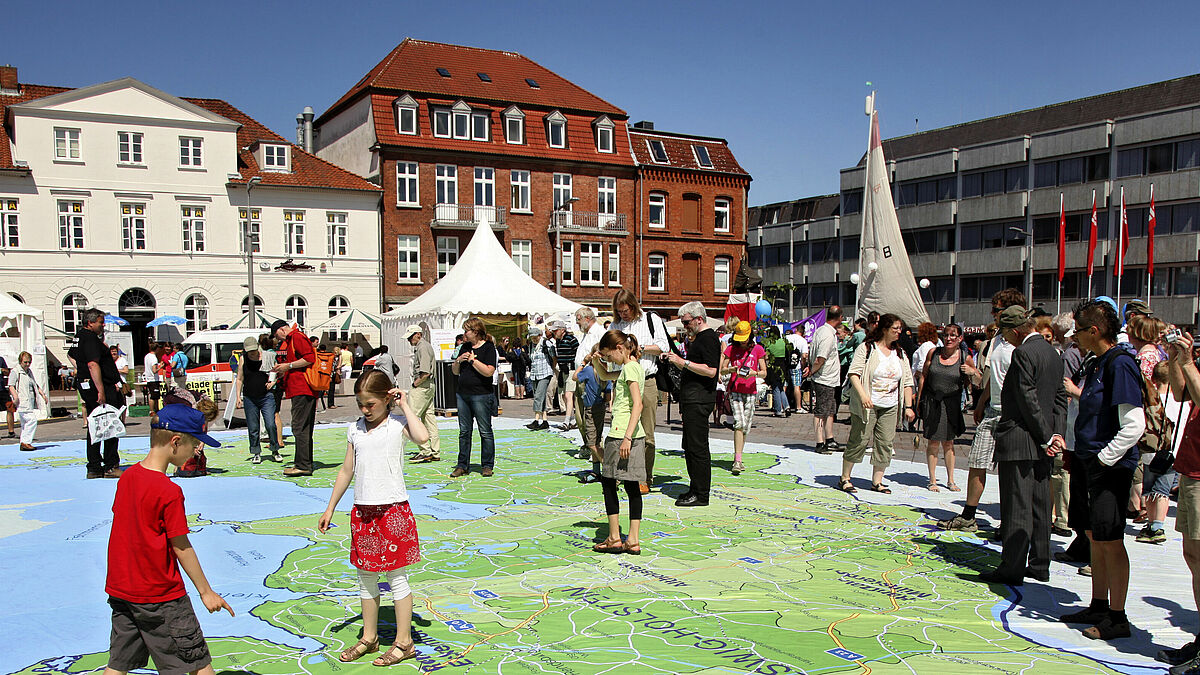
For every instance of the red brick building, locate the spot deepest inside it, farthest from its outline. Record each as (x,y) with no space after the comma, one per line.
(457,134)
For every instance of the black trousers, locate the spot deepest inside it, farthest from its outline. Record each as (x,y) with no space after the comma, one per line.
(696,455)
(1025,509)
(100,460)
(304,414)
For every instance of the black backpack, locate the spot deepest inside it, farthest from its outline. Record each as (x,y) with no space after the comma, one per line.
(667,377)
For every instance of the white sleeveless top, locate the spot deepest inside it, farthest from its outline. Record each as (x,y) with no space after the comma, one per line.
(378,461)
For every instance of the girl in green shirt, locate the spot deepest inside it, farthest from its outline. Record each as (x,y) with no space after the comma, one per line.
(624,448)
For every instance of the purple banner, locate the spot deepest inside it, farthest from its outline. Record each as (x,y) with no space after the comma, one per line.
(811,324)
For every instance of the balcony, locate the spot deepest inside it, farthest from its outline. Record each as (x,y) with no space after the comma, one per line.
(588,222)
(460,216)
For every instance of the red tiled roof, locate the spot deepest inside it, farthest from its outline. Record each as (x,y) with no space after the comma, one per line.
(581,139)
(308,170)
(27,92)
(680,154)
(412,67)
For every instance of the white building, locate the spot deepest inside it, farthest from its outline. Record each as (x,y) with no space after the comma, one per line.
(126,198)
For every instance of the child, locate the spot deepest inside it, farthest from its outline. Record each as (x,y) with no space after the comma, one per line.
(382,528)
(151,613)
(624,448)
(585,375)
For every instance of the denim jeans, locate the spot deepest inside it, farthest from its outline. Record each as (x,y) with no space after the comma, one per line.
(264,406)
(475,408)
(778,398)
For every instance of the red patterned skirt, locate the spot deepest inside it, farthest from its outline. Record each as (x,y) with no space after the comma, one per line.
(383,537)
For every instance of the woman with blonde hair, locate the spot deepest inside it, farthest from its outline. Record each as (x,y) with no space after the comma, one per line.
(24,390)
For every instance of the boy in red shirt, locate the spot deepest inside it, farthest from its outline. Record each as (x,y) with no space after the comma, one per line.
(152,615)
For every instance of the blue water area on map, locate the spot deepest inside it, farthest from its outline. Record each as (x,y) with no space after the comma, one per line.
(494,549)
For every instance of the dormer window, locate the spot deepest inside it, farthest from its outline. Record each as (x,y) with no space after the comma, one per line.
(702,157)
(514,126)
(275,157)
(406,115)
(658,152)
(604,134)
(481,124)
(461,120)
(556,130)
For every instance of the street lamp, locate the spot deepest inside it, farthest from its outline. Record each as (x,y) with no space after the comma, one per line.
(1028,235)
(248,242)
(565,206)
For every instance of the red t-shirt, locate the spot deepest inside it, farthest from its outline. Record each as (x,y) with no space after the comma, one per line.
(147,511)
(296,347)
(1187,455)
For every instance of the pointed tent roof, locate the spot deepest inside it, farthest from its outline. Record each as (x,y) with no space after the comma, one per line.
(11,308)
(485,280)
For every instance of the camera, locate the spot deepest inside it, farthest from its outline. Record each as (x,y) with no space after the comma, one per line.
(1172,335)
(744,371)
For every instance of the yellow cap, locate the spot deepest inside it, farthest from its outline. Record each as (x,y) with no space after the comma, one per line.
(741,332)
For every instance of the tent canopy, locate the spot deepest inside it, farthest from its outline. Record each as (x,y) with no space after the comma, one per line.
(11,308)
(352,320)
(30,324)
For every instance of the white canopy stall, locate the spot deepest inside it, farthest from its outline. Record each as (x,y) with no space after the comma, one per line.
(31,337)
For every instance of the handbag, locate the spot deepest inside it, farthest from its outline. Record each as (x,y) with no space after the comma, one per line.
(104,423)
(668,376)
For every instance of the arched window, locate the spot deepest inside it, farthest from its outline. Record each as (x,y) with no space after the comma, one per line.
(337,305)
(72,308)
(258,304)
(16,296)
(195,310)
(296,309)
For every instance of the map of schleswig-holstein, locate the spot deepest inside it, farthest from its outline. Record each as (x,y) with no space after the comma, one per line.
(781,574)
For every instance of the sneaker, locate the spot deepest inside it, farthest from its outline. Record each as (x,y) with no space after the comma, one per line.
(738,467)
(544,425)
(1085,571)
(826,448)
(1177,657)
(959,523)
(1150,535)
(583,453)
(1192,665)
(276,457)
(534,425)
(257,459)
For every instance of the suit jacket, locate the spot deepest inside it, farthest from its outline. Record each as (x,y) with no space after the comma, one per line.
(1033,402)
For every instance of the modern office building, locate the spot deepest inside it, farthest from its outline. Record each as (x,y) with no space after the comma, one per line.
(968,196)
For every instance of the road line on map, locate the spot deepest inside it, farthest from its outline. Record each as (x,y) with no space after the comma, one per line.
(836,641)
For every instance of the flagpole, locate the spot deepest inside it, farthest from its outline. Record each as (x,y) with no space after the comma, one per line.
(1062,244)
(1150,223)
(1091,251)
(862,241)
(1120,252)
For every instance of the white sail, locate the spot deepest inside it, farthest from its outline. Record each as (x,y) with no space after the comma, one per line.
(891,286)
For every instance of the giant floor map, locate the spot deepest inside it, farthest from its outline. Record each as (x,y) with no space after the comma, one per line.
(781,574)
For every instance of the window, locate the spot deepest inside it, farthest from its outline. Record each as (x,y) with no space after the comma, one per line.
(485,187)
(193,228)
(258,304)
(702,157)
(520,190)
(447,184)
(606,198)
(1131,162)
(972,185)
(721,268)
(255,232)
(1187,155)
(481,124)
(1015,179)
(1159,158)
(275,157)
(721,214)
(461,120)
(691,213)
(514,126)
(195,310)
(690,278)
(604,134)
(556,130)
(293,233)
(406,184)
(9,223)
(406,115)
(614,264)
(993,182)
(1045,174)
(441,123)
(447,255)
(852,202)
(338,304)
(568,263)
(296,310)
(337,233)
(408,258)
(129,147)
(562,191)
(658,152)
(191,151)
(66,143)
(133,227)
(658,209)
(72,309)
(656,264)
(70,224)
(589,264)
(522,254)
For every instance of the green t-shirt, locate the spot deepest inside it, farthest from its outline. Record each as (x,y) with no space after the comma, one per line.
(778,348)
(622,404)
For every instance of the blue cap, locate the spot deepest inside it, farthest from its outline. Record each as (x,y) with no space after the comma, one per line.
(1111,303)
(184,419)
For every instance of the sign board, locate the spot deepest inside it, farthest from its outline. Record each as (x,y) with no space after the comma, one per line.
(442,340)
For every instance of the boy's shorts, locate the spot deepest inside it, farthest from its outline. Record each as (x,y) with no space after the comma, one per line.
(168,632)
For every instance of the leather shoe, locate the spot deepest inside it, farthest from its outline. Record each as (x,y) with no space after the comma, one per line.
(458,472)
(114,472)
(1064,557)
(691,500)
(294,472)
(995,578)
(486,472)
(1030,573)
(95,474)
(1061,531)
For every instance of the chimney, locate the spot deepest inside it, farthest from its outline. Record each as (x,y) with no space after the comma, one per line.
(300,130)
(308,130)
(8,78)
(645,125)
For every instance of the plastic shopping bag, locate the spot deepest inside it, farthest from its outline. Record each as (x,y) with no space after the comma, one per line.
(105,423)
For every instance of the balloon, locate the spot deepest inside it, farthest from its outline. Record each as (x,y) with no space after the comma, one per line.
(763,308)
(924,283)
(872,266)
(854,278)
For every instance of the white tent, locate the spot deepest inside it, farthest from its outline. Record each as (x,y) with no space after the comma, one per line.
(32,338)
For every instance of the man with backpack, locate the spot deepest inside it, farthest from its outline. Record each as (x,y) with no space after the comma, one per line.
(295,354)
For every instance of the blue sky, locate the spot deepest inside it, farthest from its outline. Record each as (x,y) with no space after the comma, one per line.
(782,81)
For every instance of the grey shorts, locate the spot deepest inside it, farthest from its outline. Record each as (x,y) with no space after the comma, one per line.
(168,632)
(630,468)
(824,400)
(984,445)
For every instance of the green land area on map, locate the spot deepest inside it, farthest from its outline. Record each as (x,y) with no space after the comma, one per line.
(774,577)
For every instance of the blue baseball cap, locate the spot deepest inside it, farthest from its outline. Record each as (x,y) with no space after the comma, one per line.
(184,419)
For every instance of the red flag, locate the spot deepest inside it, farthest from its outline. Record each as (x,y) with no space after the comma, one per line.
(1092,238)
(1150,245)
(1062,239)
(1119,269)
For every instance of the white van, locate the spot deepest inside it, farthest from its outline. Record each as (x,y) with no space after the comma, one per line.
(209,351)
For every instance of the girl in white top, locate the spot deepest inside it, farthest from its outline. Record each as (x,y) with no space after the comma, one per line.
(383,530)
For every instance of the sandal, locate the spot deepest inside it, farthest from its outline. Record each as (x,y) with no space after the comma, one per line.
(391,657)
(633,549)
(881,488)
(359,650)
(953,487)
(610,546)
(846,486)
(1108,629)
(933,486)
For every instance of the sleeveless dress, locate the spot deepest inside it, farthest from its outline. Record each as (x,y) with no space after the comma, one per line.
(943,419)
